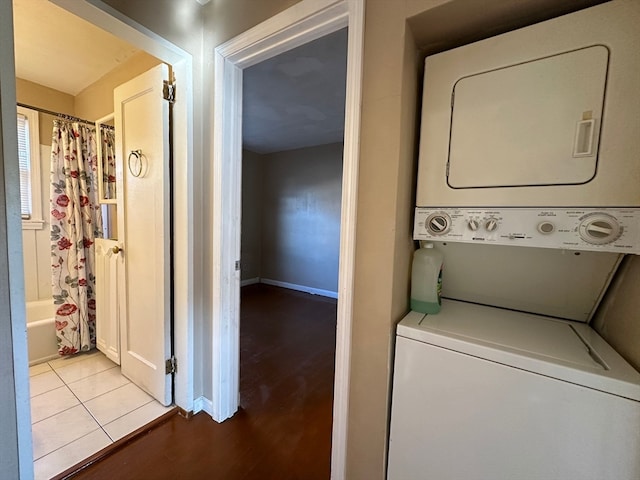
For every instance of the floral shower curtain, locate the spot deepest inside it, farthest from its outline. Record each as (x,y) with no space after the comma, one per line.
(76,221)
(108,138)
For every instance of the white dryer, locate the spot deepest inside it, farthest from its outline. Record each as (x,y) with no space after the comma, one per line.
(485,393)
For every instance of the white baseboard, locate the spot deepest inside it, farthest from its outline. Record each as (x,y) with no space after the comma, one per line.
(203,404)
(249,281)
(300,288)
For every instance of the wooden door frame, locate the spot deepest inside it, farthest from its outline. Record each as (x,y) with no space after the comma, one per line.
(105,17)
(300,24)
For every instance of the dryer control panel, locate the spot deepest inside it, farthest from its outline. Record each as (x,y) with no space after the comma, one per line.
(594,229)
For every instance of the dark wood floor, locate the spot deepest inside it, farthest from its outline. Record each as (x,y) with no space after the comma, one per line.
(283,428)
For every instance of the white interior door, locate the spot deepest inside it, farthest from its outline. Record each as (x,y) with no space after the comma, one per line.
(142,145)
(109,266)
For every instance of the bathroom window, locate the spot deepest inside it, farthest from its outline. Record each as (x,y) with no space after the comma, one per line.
(29,161)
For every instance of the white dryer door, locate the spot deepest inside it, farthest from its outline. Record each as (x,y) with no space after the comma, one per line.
(530,124)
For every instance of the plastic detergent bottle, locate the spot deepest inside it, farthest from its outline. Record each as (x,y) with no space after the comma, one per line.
(426,279)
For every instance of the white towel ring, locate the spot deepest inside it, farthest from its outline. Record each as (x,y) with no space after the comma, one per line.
(137,154)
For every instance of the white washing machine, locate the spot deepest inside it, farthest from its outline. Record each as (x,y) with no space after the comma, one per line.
(485,393)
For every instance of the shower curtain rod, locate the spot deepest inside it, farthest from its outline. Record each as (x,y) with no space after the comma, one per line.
(61,115)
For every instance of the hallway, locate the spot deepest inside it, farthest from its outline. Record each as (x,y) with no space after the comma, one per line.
(283,428)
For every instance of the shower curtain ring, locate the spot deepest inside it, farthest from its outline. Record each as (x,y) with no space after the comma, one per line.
(137,164)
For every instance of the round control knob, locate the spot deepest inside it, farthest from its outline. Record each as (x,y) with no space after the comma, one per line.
(491,224)
(473,224)
(438,223)
(546,227)
(599,229)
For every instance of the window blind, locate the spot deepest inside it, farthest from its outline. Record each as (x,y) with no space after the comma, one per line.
(25,166)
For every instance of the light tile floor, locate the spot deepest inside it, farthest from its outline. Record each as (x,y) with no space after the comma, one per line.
(79,405)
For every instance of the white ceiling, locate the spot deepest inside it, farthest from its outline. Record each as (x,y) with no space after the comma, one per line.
(58,50)
(296,99)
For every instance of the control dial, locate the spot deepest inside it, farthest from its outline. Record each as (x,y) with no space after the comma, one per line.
(438,223)
(491,224)
(473,224)
(599,229)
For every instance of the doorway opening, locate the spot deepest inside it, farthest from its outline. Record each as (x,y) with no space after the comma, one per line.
(294,27)
(293,131)
(98,376)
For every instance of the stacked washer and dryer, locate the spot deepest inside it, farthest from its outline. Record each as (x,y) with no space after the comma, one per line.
(529,184)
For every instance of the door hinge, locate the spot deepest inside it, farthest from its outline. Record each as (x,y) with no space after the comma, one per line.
(170,366)
(169,91)
(237,265)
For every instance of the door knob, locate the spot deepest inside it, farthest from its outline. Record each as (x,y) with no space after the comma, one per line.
(116,249)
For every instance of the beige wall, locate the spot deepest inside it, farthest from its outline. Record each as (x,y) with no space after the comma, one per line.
(251,232)
(47,98)
(618,318)
(179,21)
(96,101)
(384,246)
(224,19)
(92,103)
(297,205)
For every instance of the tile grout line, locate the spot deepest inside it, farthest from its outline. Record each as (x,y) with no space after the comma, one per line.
(99,425)
(87,408)
(66,385)
(81,378)
(124,415)
(61,411)
(103,393)
(74,362)
(102,427)
(93,431)
(151,399)
(66,444)
(41,373)
(98,422)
